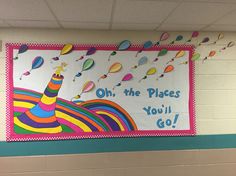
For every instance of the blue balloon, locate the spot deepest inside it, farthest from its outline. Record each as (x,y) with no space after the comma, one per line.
(23,48)
(124,45)
(37,62)
(143,60)
(147,44)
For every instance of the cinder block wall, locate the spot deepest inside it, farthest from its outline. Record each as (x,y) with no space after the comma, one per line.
(215,109)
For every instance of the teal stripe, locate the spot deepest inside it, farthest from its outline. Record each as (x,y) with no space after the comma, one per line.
(117,145)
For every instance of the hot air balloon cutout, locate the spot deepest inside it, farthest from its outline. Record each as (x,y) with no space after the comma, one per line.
(124,45)
(162,52)
(210,55)
(65,50)
(195,57)
(220,36)
(148,44)
(23,48)
(150,71)
(229,45)
(87,87)
(178,38)
(168,69)
(88,64)
(36,63)
(114,68)
(179,54)
(142,61)
(164,36)
(204,41)
(127,77)
(195,34)
(90,51)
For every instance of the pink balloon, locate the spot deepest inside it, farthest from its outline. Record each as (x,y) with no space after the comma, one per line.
(195,34)
(127,77)
(88,86)
(164,36)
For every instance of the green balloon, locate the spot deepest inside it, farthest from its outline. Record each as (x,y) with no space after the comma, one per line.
(196,56)
(113,53)
(162,52)
(88,64)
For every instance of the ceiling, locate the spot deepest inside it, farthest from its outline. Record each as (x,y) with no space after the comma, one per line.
(159,15)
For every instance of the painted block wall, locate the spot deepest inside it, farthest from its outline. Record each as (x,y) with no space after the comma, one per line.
(215,79)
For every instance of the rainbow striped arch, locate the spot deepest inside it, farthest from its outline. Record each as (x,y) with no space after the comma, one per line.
(90,116)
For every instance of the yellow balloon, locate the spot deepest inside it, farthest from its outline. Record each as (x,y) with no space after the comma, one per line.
(66,49)
(115,67)
(180,54)
(151,71)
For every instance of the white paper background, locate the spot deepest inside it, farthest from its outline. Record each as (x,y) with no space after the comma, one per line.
(176,80)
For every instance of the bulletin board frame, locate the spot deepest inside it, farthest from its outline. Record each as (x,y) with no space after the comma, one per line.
(11,136)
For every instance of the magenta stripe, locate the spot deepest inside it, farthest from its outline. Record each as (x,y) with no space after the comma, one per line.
(45,107)
(69,124)
(18,109)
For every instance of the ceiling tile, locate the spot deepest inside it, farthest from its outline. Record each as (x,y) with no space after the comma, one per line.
(180,27)
(142,11)
(219,27)
(228,19)
(82,10)
(33,24)
(81,25)
(199,13)
(25,10)
(133,26)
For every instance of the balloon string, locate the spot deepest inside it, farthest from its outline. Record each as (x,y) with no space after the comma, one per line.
(119,84)
(204,59)
(213,43)
(188,41)
(142,79)
(157,43)
(139,51)
(160,76)
(109,58)
(81,57)
(15,58)
(182,63)
(21,77)
(222,49)
(170,60)
(74,79)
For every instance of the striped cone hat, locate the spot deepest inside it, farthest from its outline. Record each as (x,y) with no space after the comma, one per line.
(41,118)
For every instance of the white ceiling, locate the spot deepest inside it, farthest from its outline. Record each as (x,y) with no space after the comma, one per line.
(160,15)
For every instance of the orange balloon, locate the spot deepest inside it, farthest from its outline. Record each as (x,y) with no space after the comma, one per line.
(169,68)
(212,53)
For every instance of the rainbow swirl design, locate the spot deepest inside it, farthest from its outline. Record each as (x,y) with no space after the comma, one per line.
(45,113)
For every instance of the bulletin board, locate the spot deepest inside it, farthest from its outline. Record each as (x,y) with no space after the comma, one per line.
(65,91)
